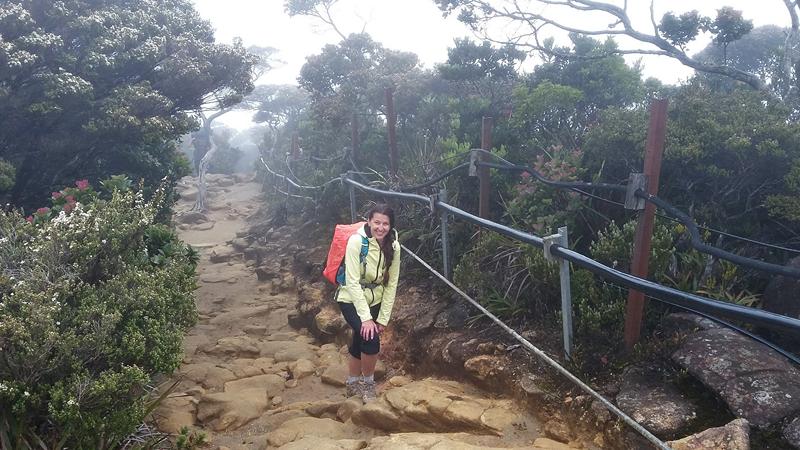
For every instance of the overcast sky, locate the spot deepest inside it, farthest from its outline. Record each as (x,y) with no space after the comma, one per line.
(418,26)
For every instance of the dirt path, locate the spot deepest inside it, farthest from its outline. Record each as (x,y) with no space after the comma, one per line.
(250,381)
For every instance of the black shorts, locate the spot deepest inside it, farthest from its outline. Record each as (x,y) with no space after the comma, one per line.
(359,345)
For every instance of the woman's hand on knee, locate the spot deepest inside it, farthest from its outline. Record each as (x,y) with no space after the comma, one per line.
(369,329)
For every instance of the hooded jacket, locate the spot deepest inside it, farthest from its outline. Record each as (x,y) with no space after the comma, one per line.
(363,285)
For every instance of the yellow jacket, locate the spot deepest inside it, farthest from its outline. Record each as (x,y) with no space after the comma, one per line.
(363,285)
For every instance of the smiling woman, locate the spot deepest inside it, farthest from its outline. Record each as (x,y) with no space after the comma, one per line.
(367,296)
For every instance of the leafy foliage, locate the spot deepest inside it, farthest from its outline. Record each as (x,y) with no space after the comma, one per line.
(93,301)
(92,89)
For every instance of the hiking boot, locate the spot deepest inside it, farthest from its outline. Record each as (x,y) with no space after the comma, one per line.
(354,389)
(368,393)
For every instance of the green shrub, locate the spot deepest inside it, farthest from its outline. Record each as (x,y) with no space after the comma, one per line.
(510,278)
(93,301)
(599,306)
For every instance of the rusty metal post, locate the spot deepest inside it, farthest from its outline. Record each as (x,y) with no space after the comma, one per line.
(483,172)
(656,135)
(391,124)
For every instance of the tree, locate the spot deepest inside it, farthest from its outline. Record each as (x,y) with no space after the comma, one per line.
(481,66)
(319,9)
(760,52)
(726,153)
(346,82)
(667,37)
(92,89)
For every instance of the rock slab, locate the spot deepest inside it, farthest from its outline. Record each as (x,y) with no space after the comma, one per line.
(757,383)
(661,408)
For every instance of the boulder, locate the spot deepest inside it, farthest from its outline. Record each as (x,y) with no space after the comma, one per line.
(335,375)
(756,382)
(659,407)
(329,323)
(221,254)
(733,436)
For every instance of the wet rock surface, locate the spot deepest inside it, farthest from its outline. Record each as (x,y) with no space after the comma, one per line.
(757,383)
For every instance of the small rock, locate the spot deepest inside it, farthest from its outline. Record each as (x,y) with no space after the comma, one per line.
(557,430)
(399,380)
(276,401)
(484,367)
(290,384)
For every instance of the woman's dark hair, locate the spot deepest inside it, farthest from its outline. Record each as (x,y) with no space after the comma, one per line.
(386,247)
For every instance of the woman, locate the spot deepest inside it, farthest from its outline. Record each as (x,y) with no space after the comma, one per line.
(367,295)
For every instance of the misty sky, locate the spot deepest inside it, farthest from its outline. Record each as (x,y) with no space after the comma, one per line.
(418,26)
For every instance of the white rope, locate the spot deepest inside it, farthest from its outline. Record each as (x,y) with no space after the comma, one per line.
(550,361)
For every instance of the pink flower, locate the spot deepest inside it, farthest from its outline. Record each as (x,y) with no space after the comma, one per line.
(82,184)
(70,199)
(57,194)
(68,207)
(43,211)
(29,219)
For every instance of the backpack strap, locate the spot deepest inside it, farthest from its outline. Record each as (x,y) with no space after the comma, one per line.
(364,251)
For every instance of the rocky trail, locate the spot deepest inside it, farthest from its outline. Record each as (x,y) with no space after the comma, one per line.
(250,381)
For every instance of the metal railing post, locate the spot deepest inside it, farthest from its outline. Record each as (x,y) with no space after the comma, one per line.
(562,239)
(352,200)
(445,239)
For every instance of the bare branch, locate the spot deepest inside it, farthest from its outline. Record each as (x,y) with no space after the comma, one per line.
(511,11)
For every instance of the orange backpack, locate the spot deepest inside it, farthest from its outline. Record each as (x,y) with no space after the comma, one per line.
(334,266)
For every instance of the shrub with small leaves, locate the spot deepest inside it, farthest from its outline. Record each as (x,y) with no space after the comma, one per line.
(94,300)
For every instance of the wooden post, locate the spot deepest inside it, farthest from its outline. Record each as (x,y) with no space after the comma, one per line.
(654,150)
(391,123)
(483,172)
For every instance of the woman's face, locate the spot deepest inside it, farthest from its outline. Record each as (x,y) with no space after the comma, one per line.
(379,226)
